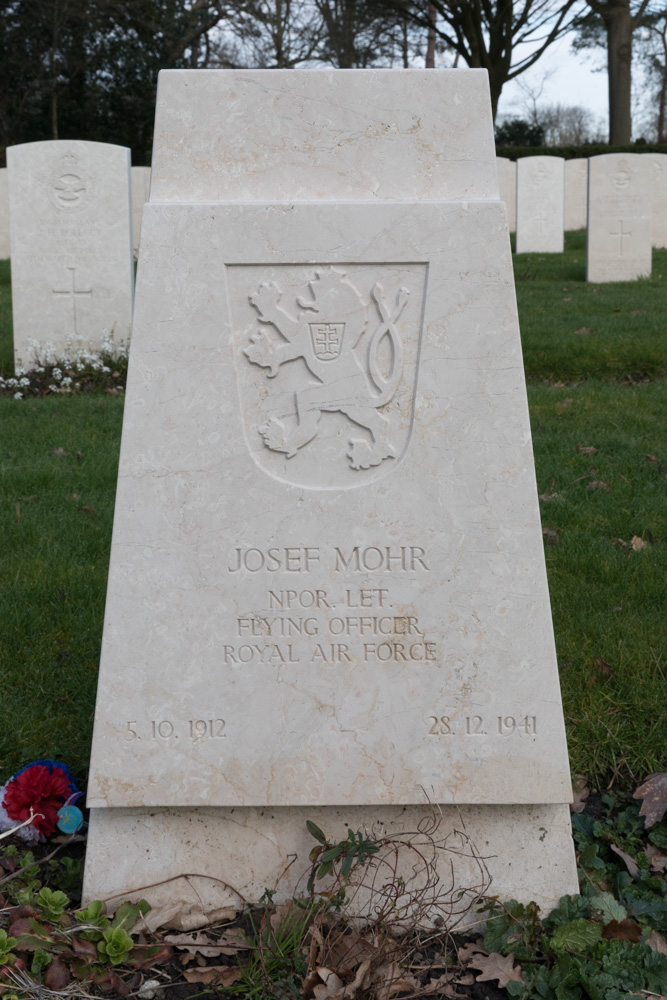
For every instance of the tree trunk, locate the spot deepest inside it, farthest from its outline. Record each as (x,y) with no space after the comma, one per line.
(618,23)
(495,88)
(430,45)
(662,101)
(53,77)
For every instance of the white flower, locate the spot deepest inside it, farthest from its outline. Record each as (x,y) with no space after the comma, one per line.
(18,395)
(54,388)
(5,822)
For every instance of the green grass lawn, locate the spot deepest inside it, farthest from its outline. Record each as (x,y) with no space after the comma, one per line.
(604,389)
(6,346)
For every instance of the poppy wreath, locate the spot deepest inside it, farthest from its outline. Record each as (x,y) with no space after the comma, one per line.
(43,787)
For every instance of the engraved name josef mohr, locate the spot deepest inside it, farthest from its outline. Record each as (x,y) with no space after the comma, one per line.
(305,559)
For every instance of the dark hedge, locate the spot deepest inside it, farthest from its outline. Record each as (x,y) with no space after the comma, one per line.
(572,152)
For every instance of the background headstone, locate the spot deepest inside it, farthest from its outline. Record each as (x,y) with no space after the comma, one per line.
(4,214)
(71,243)
(659,226)
(576,193)
(507,186)
(618,243)
(327,593)
(141,182)
(539,204)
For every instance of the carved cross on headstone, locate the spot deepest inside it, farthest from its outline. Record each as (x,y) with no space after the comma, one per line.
(72,294)
(540,223)
(621,233)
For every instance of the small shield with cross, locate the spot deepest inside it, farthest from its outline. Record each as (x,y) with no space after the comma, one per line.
(327,340)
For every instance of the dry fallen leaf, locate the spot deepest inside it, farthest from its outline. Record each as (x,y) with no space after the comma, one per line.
(550,535)
(390,980)
(656,941)
(657,858)
(442,987)
(652,458)
(330,984)
(623,930)
(60,452)
(637,543)
(564,402)
(469,950)
(87,509)
(583,330)
(496,966)
(580,793)
(606,670)
(629,862)
(587,449)
(654,794)
(346,951)
(230,943)
(597,484)
(218,975)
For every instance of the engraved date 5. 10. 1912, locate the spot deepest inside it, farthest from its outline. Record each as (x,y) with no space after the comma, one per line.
(166,730)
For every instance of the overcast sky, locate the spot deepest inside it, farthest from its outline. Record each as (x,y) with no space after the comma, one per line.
(571,80)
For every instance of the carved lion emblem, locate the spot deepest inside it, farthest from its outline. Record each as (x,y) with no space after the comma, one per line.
(340,337)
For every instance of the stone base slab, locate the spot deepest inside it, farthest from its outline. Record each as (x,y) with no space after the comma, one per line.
(200,862)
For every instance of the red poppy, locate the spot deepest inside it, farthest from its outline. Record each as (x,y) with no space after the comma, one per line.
(42,789)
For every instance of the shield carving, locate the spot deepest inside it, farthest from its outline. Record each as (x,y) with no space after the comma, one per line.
(327,340)
(326,362)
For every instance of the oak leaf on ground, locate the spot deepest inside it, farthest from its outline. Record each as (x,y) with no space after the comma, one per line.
(627,860)
(390,981)
(656,941)
(624,930)
(215,975)
(470,949)
(657,858)
(654,795)
(496,966)
(229,943)
(580,793)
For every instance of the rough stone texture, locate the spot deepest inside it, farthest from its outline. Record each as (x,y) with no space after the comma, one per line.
(327,583)
(4,214)
(520,852)
(539,204)
(659,228)
(72,271)
(507,188)
(618,245)
(141,182)
(576,193)
(306,138)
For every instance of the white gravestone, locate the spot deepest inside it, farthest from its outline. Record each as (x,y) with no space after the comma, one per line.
(618,243)
(576,193)
(539,204)
(141,182)
(327,594)
(71,241)
(4,214)
(507,187)
(659,227)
